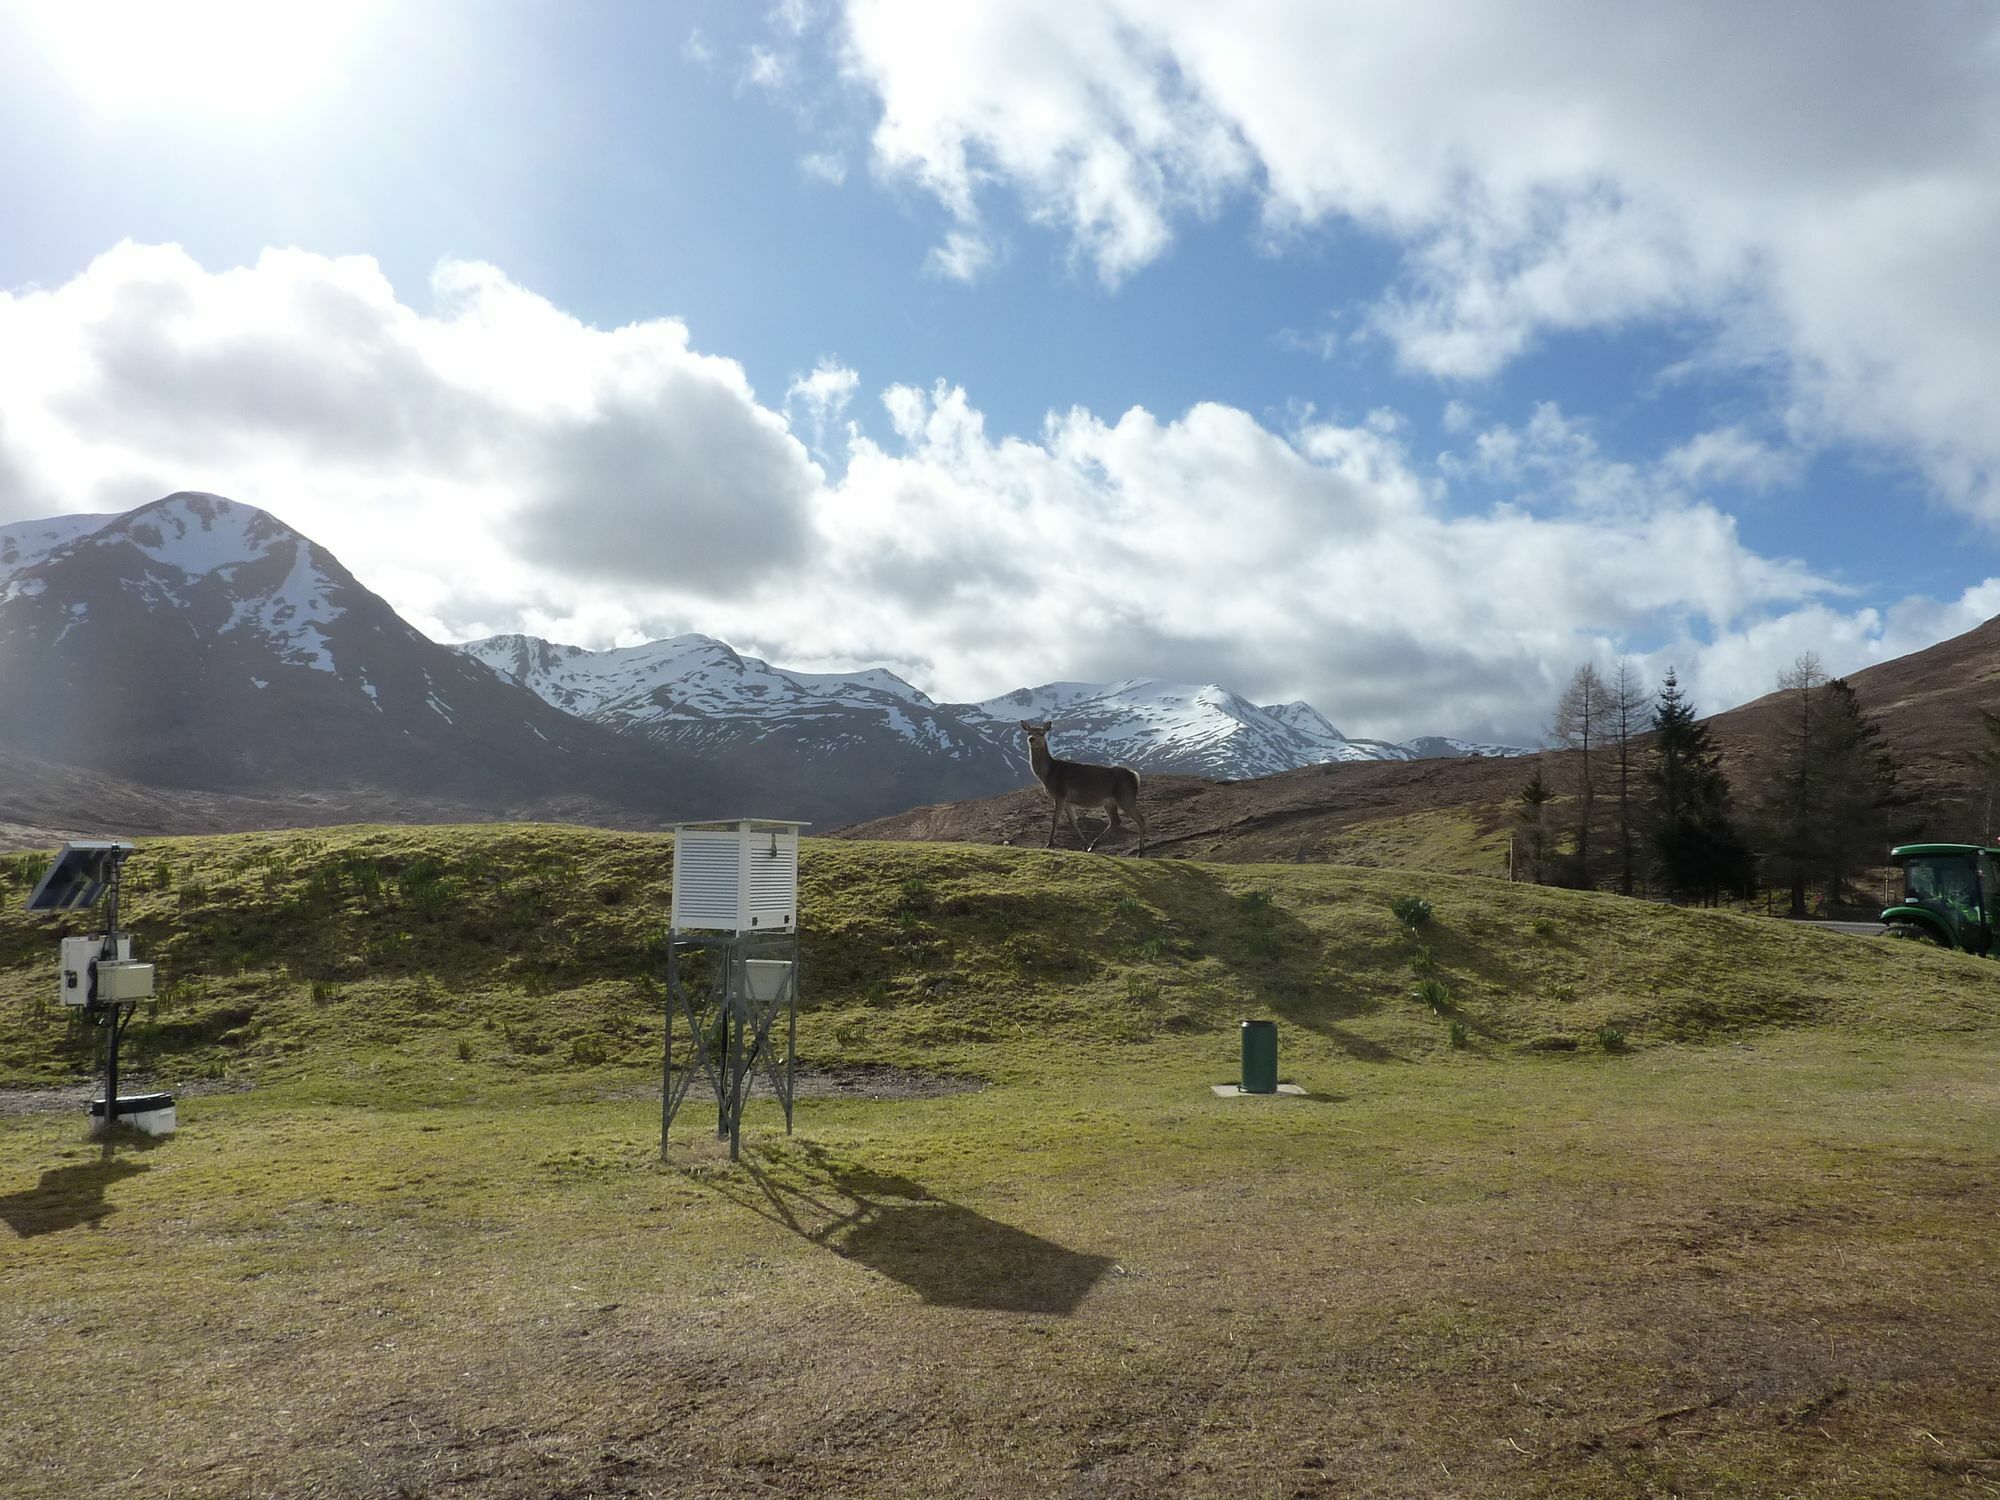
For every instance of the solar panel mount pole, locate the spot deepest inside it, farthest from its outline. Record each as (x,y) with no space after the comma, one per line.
(109,1017)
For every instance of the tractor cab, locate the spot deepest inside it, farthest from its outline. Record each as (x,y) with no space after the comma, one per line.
(1950,895)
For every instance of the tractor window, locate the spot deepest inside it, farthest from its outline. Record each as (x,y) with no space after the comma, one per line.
(1950,882)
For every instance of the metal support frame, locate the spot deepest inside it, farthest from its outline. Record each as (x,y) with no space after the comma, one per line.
(112,1016)
(726,1029)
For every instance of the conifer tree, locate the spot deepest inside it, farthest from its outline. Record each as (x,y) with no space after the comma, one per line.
(1695,843)
(1625,718)
(1985,762)
(1791,826)
(1531,818)
(1856,783)
(1579,728)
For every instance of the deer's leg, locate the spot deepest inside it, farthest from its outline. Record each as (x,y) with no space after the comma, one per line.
(1054,816)
(1132,811)
(1076,827)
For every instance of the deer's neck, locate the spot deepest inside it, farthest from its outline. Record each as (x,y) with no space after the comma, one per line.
(1040,759)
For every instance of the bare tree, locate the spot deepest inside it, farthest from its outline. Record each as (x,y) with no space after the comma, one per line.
(1626,717)
(1985,762)
(1580,724)
(1790,811)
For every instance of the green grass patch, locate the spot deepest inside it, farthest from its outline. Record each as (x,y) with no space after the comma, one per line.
(1655,1201)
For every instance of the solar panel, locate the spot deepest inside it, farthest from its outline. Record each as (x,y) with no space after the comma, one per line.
(78,876)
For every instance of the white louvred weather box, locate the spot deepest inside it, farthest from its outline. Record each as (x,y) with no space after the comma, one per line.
(739,875)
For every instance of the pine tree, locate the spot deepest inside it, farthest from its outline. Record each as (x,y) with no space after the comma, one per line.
(1532,819)
(1696,845)
(1579,727)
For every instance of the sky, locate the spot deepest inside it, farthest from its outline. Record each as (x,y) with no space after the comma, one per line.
(1396,358)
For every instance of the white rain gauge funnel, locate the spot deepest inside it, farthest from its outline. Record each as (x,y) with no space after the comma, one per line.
(736,899)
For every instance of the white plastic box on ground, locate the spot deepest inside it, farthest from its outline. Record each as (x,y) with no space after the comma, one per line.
(736,875)
(152,1113)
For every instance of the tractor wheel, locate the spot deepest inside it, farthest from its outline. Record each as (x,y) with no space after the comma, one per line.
(1916,932)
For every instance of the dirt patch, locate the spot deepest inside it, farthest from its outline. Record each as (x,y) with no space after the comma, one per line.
(854,1081)
(79,1095)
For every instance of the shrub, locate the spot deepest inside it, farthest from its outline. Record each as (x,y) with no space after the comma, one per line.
(1434,993)
(324,992)
(1423,961)
(586,1052)
(1611,1038)
(1562,992)
(1128,906)
(1255,902)
(1545,927)
(464,1050)
(1412,911)
(1458,1033)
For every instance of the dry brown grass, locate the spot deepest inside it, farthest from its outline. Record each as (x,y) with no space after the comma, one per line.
(1753,1257)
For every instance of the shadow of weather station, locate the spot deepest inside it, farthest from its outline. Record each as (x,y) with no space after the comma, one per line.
(946,1253)
(66,1197)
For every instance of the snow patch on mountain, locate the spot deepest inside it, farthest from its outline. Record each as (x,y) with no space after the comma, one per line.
(25,543)
(695,679)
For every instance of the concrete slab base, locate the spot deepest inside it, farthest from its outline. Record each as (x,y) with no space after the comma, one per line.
(1233,1091)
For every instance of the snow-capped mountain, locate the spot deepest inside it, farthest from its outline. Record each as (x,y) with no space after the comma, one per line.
(202,644)
(868,739)
(196,642)
(1198,730)
(696,691)
(25,543)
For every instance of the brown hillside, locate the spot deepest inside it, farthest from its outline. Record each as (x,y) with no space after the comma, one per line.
(1453,814)
(1443,814)
(1927,704)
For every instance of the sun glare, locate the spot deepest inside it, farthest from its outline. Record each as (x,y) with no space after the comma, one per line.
(229,57)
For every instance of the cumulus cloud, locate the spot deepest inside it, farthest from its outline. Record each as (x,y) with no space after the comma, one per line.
(1817,187)
(494,430)
(486,461)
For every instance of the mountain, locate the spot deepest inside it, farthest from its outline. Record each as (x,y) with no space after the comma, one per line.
(202,645)
(203,650)
(867,742)
(697,693)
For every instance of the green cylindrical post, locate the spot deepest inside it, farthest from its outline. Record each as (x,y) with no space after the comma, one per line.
(1260,1057)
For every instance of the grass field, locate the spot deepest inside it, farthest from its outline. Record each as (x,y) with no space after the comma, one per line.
(1586,1197)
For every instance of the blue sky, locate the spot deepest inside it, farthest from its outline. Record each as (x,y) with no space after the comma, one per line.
(1396,361)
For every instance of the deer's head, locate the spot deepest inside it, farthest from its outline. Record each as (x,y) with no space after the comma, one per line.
(1038,734)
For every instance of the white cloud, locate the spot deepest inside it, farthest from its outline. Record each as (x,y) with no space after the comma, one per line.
(828,167)
(822,397)
(496,434)
(490,462)
(768,69)
(963,256)
(1817,187)
(1730,456)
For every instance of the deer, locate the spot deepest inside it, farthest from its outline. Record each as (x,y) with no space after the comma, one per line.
(1076,783)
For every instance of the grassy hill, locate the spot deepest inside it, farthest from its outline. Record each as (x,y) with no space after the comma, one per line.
(537,949)
(1633,1200)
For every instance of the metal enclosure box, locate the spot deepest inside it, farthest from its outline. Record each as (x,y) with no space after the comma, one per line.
(741,875)
(79,953)
(119,983)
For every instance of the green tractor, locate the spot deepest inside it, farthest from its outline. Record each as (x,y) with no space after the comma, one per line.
(1951,893)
